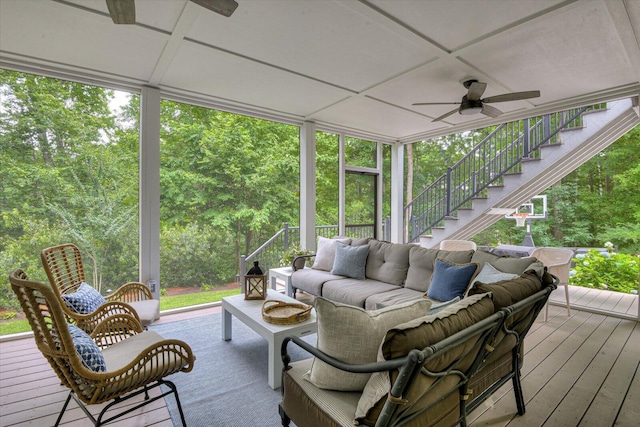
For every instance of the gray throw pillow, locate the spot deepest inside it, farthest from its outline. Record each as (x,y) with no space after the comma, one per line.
(350,261)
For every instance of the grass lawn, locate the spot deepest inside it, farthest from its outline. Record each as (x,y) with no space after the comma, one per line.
(166,303)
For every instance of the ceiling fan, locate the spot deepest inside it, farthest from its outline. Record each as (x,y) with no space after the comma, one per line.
(472,104)
(124,11)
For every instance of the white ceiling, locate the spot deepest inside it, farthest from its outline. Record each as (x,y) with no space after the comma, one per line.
(349,65)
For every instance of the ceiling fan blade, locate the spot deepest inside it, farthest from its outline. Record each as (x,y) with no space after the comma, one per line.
(436,103)
(122,11)
(476,90)
(490,111)
(515,96)
(223,7)
(444,116)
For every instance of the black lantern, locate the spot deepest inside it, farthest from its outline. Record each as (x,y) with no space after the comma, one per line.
(255,283)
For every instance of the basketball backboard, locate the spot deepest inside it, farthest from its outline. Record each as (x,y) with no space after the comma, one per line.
(536,208)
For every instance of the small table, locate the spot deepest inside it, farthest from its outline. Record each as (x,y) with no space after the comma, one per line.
(284,274)
(249,312)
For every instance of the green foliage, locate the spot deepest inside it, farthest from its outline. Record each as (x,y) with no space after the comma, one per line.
(9,315)
(196,298)
(192,255)
(617,272)
(16,326)
(291,253)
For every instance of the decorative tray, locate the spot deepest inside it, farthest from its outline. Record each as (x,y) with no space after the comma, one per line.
(285,313)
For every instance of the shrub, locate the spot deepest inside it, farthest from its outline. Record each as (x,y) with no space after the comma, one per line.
(616,272)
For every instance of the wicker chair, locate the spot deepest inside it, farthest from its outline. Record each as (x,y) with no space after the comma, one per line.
(135,361)
(65,270)
(558,263)
(458,245)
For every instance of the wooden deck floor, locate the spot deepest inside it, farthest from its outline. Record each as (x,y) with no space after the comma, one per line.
(582,370)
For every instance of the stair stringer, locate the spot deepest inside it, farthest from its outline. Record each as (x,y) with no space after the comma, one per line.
(600,130)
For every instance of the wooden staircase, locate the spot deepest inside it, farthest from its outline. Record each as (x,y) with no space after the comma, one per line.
(553,160)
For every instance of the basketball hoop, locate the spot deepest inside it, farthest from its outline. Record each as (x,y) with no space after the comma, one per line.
(520,217)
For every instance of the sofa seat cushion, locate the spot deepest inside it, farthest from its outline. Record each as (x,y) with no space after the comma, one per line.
(305,403)
(388,262)
(311,280)
(353,335)
(418,334)
(395,296)
(354,292)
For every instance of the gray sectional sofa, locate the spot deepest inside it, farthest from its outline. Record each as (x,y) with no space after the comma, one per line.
(430,371)
(394,272)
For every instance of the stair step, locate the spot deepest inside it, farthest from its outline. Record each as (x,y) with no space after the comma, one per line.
(449,217)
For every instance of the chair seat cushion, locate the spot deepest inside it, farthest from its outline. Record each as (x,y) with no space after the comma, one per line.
(148,310)
(120,354)
(84,300)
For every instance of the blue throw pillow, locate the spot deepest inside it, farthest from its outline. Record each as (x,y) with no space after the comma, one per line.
(85,300)
(450,280)
(350,261)
(87,349)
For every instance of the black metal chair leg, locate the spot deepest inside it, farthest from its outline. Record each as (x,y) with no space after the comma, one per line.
(284,417)
(66,403)
(517,389)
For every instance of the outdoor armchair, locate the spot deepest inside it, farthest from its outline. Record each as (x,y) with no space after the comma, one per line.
(118,361)
(65,270)
(558,263)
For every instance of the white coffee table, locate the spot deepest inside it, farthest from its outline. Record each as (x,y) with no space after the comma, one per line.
(249,312)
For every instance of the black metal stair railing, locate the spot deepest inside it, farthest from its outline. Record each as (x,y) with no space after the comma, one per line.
(501,153)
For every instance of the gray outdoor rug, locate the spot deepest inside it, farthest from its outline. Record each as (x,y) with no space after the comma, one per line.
(228,384)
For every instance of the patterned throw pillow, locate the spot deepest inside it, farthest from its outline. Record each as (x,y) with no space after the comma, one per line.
(87,349)
(85,300)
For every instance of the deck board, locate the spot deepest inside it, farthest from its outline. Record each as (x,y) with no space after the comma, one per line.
(579,370)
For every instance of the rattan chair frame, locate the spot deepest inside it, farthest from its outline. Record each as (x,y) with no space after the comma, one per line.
(145,371)
(65,271)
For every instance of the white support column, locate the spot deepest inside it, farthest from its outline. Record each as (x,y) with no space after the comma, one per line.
(379,192)
(308,186)
(149,198)
(342,226)
(397,192)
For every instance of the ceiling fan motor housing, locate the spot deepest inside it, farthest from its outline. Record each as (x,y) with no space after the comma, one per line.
(470,106)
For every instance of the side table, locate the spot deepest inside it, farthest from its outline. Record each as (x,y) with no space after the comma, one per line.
(284,274)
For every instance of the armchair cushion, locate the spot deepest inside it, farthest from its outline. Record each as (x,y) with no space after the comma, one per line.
(87,349)
(85,300)
(353,335)
(350,261)
(420,333)
(450,280)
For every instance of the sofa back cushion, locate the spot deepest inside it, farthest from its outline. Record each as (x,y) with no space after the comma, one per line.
(508,292)
(505,264)
(353,335)
(388,262)
(421,263)
(419,334)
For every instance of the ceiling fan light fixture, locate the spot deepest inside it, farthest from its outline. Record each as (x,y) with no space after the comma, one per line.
(471,110)
(470,106)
